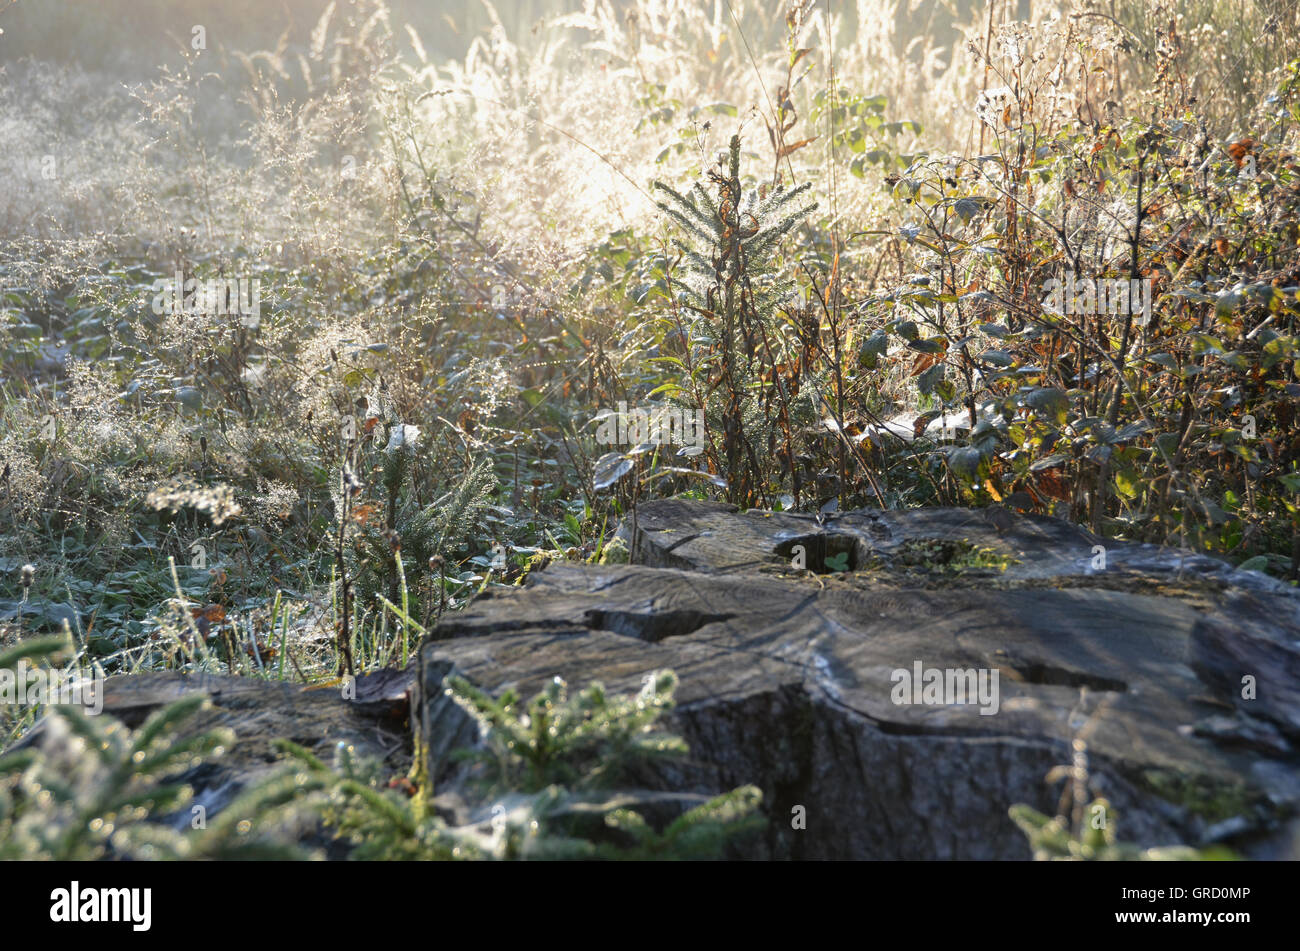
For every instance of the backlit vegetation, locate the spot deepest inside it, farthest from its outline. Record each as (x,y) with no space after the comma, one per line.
(832,232)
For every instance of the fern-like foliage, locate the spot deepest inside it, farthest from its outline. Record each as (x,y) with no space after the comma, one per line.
(742,350)
(524,814)
(1052,839)
(94,789)
(422,531)
(1082,832)
(585,740)
(378,822)
(701,833)
(733,238)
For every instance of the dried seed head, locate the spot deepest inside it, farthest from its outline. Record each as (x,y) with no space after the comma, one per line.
(28,575)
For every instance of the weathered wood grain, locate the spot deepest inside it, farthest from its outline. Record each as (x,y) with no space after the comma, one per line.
(786,675)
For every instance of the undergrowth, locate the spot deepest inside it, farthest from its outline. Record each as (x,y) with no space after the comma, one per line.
(89,788)
(835,237)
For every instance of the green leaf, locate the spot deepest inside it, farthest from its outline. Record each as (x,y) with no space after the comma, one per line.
(838,562)
(1050,401)
(1127,482)
(1258,563)
(877,345)
(931,378)
(964,462)
(967,208)
(1203,343)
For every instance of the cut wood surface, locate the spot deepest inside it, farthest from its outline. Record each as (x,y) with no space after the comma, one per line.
(788,676)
